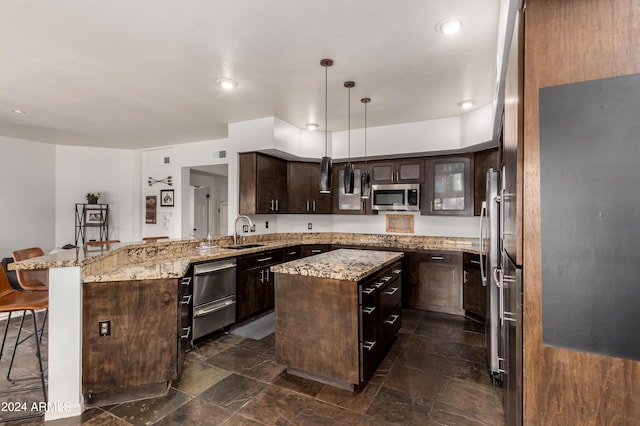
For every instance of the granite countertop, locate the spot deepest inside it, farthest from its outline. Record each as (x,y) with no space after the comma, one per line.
(171,259)
(341,264)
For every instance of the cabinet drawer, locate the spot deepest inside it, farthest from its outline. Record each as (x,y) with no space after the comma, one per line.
(260,260)
(369,350)
(368,320)
(390,297)
(389,327)
(441,257)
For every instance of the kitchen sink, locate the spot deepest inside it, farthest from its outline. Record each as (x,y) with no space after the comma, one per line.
(243,246)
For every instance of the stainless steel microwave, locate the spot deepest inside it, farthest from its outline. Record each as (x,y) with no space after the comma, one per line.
(400,197)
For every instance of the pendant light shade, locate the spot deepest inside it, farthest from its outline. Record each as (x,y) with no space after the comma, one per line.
(349,175)
(325,164)
(365,178)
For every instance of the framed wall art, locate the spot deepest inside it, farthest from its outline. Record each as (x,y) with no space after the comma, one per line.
(151,203)
(166,198)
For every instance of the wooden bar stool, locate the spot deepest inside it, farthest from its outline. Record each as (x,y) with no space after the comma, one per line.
(22,301)
(31,280)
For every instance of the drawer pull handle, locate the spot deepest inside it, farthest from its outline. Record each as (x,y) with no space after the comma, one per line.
(291,253)
(368,345)
(264,259)
(368,310)
(368,290)
(392,321)
(262,276)
(385,279)
(266,275)
(185,281)
(397,271)
(186,300)
(392,291)
(437,258)
(378,285)
(187,333)
(477,262)
(316,251)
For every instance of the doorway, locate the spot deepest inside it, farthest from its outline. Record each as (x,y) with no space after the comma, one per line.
(209,192)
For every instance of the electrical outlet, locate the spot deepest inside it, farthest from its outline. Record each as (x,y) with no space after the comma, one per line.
(253,228)
(104,328)
(309,225)
(245,228)
(266,224)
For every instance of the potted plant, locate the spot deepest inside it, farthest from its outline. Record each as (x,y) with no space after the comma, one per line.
(92,198)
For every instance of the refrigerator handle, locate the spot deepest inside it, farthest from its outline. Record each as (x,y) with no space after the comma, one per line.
(497,276)
(483,215)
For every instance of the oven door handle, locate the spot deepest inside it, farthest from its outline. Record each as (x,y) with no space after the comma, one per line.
(204,312)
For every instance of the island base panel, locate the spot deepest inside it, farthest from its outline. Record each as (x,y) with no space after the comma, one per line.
(316,328)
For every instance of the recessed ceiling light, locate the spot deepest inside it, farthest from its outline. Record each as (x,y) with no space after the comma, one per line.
(18,111)
(312,126)
(226,83)
(449,26)
(466,104)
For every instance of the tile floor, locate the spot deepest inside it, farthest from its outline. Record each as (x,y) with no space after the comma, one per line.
(435,374)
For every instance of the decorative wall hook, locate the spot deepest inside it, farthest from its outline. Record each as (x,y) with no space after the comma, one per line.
(166,180)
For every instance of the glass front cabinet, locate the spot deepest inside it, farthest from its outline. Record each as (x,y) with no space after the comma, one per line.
(448,190)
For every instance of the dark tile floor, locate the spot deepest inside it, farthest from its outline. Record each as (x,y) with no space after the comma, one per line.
(435,374)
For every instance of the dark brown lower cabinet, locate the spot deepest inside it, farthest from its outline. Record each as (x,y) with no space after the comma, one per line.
(474,295)
(337,331)
(129,335)
(254,287)
(434,281)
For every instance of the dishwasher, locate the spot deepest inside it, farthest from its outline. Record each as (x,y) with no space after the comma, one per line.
(214,296)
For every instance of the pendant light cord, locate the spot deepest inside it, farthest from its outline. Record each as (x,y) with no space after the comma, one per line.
(365,133)
(349,125)
(326,122)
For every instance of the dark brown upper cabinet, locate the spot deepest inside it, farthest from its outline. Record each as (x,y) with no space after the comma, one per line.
(304,189)
(483,161)
(263,184)
(397,171)
(448,191)
(348,203)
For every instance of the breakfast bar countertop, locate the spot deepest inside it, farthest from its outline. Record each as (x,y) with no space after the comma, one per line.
(171,259)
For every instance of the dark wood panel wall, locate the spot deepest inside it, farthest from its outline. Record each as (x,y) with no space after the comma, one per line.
(570,41)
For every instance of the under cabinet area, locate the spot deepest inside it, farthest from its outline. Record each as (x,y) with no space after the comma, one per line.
(433,281)
(304,189)
(263,184)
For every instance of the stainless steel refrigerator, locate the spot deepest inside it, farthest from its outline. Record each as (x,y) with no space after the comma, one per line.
(503,280)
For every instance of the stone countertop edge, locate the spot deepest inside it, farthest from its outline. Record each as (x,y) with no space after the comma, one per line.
(341,264)
(171,259)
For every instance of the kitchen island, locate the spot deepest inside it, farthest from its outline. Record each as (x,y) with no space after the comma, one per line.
(337,314)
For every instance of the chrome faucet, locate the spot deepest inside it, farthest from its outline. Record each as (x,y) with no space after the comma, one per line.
(235,227)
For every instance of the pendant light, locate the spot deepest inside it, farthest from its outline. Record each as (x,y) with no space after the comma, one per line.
(348,168)
(365,177)
(325,164)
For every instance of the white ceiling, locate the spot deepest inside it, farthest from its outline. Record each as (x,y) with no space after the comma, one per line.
(136,74)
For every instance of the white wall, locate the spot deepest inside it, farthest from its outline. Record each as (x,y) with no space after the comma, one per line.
(28,193)
(112,173)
